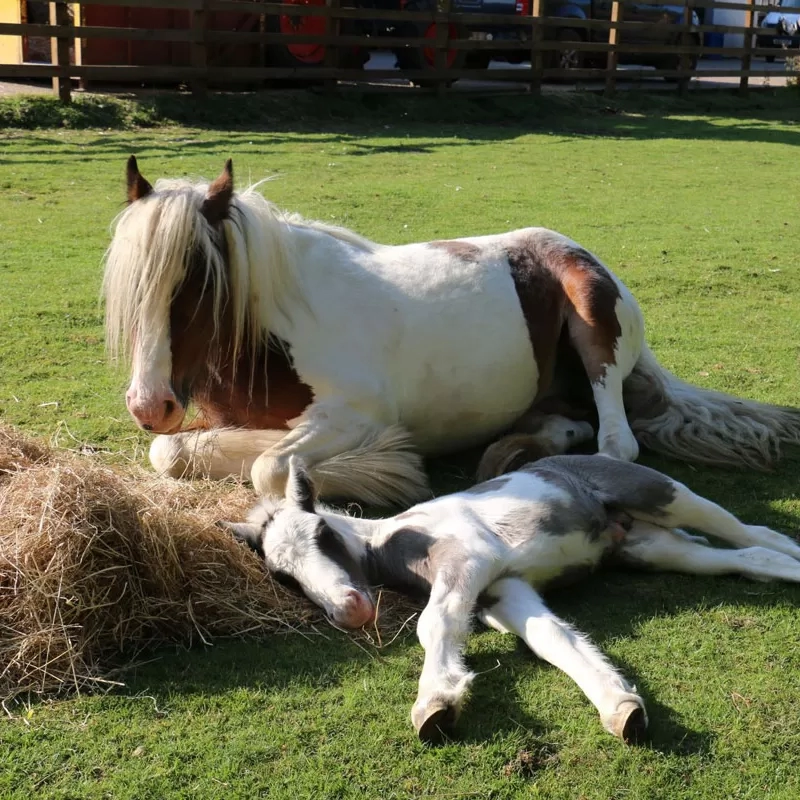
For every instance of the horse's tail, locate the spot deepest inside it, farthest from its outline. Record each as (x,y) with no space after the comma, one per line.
(671,417)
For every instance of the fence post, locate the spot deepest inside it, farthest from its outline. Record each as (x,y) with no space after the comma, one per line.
(537,34)
(747,57)
(441,41)
(332,60)
(613,56)
(59,50)
(683,59)
(199,49)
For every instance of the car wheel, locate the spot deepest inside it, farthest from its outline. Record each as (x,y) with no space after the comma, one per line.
(566,57)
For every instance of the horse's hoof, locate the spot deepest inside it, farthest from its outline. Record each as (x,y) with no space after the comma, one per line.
(629,722)
(435,721)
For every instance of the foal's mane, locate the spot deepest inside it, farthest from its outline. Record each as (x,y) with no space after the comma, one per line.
(248,260)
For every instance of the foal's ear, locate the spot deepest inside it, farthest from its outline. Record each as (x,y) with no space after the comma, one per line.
(252,535)
(138,187)
(299,488)
(218,200)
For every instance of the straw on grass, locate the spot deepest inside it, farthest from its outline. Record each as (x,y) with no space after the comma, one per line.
(98,563)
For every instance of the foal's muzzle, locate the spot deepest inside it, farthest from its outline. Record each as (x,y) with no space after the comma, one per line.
(356,611)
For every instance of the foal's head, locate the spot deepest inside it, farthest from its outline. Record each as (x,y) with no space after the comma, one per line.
(167,291)
(304,552)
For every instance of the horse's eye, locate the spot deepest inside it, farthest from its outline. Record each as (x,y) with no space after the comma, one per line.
(287,581)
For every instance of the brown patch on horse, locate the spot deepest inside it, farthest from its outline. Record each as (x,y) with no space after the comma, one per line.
(216,204)
(593,295)
(458,249)
(543,304)
(559,284)
(136,185)
(268,402)
(256,387)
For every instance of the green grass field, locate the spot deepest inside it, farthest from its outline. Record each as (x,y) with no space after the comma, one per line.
(693,206)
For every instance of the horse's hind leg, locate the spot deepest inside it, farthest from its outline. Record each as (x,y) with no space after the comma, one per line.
(689,510)
(654,547)
(518,608)
(536,436)
(607,330)
(650,496)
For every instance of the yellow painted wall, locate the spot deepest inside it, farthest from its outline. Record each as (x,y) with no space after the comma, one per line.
(11,46)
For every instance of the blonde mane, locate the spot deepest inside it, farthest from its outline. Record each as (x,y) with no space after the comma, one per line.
(154,238)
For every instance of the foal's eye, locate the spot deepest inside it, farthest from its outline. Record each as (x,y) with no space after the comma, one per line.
(287,581)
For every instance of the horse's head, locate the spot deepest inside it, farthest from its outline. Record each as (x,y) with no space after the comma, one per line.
(167,292)
(304,552)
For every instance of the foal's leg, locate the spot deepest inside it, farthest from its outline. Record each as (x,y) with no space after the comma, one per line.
(519,609)
(650,546)
(347,455)
(607,330)
(689,510)
(653,497)
(442,630)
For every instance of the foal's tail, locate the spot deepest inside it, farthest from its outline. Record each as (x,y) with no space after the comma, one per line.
(671,417)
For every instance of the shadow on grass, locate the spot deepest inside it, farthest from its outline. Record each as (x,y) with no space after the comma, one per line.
(350,117)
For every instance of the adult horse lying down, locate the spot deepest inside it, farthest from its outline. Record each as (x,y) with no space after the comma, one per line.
(493,547)
(361,357)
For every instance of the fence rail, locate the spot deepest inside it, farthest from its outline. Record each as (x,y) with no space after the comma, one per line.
(204,42)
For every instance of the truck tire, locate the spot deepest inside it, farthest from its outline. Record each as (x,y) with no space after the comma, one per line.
(423,58)
(307,55)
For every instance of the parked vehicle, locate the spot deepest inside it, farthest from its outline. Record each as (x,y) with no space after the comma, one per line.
(662,30)
(781,29)
(421,58)
(663,20)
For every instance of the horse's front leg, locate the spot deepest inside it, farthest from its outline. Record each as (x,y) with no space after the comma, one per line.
(348,454)
(216,454)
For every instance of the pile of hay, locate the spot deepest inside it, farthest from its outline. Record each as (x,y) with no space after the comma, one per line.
(98,563)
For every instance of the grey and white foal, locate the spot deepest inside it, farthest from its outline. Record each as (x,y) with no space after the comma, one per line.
(493,547)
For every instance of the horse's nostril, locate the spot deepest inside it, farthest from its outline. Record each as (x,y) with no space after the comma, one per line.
(147,427)
(169,407)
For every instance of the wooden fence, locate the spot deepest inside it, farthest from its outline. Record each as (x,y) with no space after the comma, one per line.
(450,40)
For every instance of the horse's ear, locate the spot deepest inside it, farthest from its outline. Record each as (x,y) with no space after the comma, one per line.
(299,488)
(218,200)
(138,187)
(252,535)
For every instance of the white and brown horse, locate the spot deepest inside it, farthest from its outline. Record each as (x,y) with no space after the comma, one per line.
(296,337)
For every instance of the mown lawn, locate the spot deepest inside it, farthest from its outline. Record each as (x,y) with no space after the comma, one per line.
(696,212)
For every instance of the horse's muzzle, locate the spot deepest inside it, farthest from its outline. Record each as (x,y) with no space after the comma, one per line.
(156,411)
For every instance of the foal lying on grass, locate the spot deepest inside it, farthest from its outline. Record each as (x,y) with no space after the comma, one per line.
(491,548)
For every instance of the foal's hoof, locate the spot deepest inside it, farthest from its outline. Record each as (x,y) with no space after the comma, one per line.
(435,721)
(629,722)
